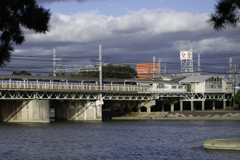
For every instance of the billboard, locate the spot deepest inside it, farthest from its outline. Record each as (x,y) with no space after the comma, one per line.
(185,55)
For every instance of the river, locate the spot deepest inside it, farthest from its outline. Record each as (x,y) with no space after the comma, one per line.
(110,140)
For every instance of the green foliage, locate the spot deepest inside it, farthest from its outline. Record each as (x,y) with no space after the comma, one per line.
(16,15)
(237,95)
(25,73)
(108,71)
(226,14)
(113,71)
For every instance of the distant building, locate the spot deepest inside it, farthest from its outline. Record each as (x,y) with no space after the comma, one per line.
(145,70)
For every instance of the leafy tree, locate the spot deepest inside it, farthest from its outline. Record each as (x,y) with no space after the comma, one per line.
(113,71)
(16,15)
(108,71)
(226,14)
(25,73)
(237,95)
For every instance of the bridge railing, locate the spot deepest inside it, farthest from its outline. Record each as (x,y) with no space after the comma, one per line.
(70,86)
(21,85)
(165,90)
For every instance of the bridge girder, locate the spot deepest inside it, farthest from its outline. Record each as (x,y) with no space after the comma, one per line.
(53,95)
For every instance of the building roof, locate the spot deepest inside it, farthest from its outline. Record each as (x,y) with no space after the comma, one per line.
(178,79)
(199,78)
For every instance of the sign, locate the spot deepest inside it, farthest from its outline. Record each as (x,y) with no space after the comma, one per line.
(185,55)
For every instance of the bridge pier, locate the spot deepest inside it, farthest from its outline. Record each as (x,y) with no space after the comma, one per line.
(81,110)
(25,111)
(203,105)
(163,107)
(213,105)
(192,106)
(129,105)
(224,104)
(172,107)
(181,105)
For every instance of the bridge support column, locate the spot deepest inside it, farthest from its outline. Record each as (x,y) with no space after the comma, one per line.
(149,104)
(99,104)
(213,105)
(203,105)
(148,109)
(81,110)
(25,111)
(172,107)
(121,109)
(224,104)
(163,107)
(129,106)
(192,105)
(181,105)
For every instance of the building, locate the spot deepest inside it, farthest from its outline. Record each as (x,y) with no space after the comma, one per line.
(145,70)
(206,83)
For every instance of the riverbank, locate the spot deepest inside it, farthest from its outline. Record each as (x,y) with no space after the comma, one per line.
(185,115)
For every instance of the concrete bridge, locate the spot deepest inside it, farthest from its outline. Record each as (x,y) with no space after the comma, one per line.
(29,98)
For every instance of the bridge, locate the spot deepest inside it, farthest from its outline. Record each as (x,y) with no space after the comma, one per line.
(27,98)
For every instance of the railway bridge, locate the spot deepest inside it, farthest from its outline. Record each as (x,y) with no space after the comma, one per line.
(29,98)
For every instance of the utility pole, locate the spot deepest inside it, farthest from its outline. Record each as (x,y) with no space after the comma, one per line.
(153,67)
(159,71)
(165,69)
(234,83)
(199,70)
(100,68)
(54,62)
(230,69)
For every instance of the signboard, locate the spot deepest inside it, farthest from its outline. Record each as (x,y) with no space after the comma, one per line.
(185,55)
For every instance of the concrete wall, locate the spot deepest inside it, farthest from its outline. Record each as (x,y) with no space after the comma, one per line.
(200,87)
(193,87)
(25,111)
(224,85)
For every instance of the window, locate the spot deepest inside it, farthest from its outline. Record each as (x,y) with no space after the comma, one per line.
(180,87)
(174,87)
(213,83)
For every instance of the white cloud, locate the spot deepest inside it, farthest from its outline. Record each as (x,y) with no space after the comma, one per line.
(138,35)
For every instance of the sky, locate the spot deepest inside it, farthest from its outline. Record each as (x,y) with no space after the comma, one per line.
(130,32)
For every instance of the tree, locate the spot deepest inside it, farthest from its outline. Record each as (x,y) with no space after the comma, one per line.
(108,71)
(237,95)
(22,73)
(15,15)
(226,14)
(113,71)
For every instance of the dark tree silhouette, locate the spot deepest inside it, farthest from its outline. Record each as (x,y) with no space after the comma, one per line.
(25,73)
(226,14)
(15,15)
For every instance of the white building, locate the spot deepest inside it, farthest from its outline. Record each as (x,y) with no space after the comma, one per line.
(206,83)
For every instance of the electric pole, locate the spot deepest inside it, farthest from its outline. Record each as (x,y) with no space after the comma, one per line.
(153,67)
(54,62)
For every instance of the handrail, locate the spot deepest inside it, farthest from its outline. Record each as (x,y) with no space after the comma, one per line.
(93,87)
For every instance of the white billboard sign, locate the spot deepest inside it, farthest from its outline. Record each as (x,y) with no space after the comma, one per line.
(185,55)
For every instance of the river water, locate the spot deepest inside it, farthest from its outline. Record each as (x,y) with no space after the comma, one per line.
(110,140)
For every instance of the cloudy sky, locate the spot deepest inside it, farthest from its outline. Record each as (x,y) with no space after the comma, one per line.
(130,32)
